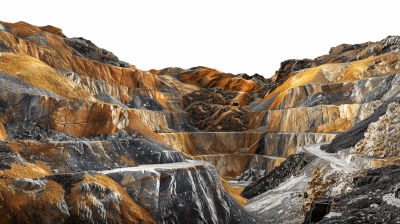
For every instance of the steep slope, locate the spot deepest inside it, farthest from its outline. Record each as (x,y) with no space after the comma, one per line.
(352,96)
(89,138)
(81,125)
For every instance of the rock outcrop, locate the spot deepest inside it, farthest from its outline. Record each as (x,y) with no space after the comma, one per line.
(175,193)
(288,168)
(371,201)
(79,137)
(215,109)
(351,137)
(88,138)
(381,138)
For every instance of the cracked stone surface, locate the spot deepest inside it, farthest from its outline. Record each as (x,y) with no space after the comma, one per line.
(88,138)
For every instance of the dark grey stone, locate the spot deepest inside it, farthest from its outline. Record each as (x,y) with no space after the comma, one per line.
(87,49)
(264,105)
(314,100)
(144,102)
(39,38)
(8,157)
(184,126)
(364,204)
(4,47)
(288,168)
(11,84)
(107,98)
(123,64)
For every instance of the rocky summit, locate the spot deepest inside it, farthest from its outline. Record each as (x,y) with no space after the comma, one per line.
(88,138)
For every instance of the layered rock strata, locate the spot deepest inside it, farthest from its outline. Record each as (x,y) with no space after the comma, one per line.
(317,119)
(290,167)
(89,138)
(151,187)
(374,200)
(351,137)
(86,114)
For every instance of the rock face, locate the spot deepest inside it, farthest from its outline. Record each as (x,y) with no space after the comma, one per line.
(175,193)
(371,201)
(357,81)
(355,92)
(286,144)
(290,167)
(88,138)
(252,174)
(86,49)
(351,137)
(380,140)
(141,101)
(317,119)
(79,137)
(215,110)
(378,66)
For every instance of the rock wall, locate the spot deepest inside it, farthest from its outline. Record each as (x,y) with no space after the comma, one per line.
(89,138)
(317,119)
(231,165)
(351,137)
(212,142)
(171,101)
(378,66)
(231,153)
(286,144)
(78,118)
(175,193)
(374,199)
(356,92)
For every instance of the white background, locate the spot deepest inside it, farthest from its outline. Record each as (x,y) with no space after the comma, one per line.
(231,36)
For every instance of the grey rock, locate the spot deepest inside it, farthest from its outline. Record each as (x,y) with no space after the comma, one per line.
(180,193)
(87,49)
(288,168)
(4,28)
(251,174)
(38,38)
(8,157)
(9,83)
(365,204)
(124,64)
(144,102)
(351,137)
(184,126)
(264,105)
(4,47)
(107,98)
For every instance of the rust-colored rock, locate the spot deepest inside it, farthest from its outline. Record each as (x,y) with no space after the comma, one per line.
(204,77)
(341,72)
(120,208)
(214,109)
(317,119)
(3,132)
(89,138)
(78,118)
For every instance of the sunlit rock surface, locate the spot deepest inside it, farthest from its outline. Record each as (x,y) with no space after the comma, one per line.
(89,138)
(175,193)
(317,119)
(286,144)
(355,92)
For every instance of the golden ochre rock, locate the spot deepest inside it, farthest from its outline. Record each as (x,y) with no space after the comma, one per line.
(86,137)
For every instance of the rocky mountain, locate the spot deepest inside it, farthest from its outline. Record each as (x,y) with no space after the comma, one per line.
(88,138)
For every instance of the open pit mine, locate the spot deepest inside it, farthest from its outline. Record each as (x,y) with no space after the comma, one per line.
(88,138)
